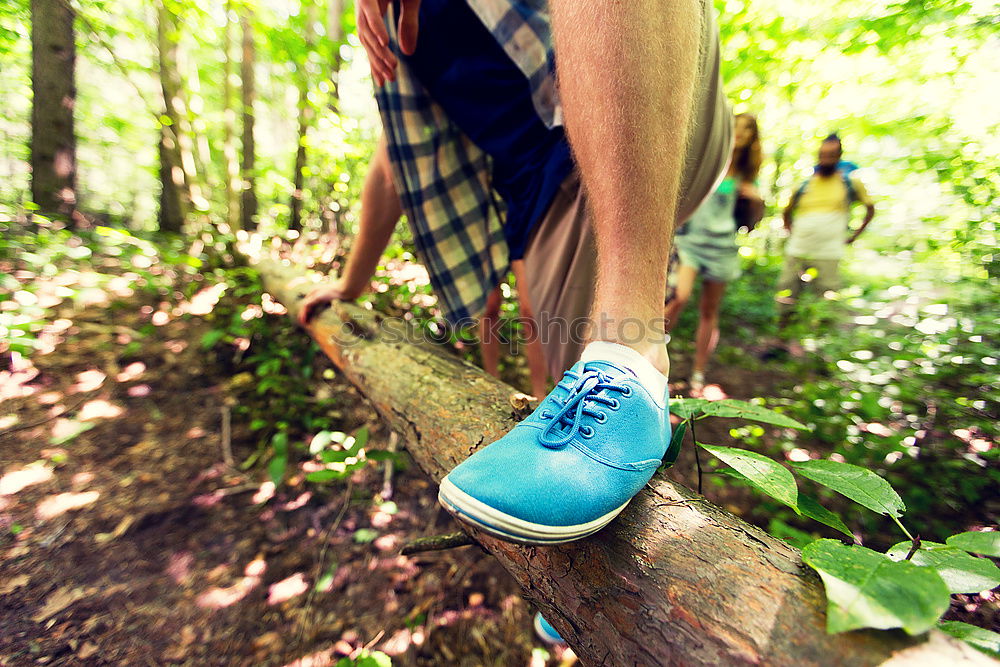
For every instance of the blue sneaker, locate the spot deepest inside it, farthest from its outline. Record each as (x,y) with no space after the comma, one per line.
(572,466)
(546,632)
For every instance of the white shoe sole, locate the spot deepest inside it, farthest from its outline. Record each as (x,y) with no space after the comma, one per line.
(546,637)
(466,508)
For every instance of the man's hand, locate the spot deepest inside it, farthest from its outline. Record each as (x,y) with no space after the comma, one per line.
(375,38)
(320,297)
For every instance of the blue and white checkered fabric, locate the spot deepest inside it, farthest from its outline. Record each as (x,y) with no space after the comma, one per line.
(443,179)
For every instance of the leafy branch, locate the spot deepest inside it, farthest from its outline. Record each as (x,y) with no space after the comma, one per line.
(907,587)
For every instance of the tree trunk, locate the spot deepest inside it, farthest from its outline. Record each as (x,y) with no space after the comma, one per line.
(173,209)
(53,142)
(305,121)
(674,580)
(229,154)
(335,34)
(298,177)
(248,207)
(176,160)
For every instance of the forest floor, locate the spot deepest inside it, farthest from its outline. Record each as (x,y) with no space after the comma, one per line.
(132,543)
(126,539)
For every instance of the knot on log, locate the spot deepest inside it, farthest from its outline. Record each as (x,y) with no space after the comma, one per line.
(523,404)
(358,329)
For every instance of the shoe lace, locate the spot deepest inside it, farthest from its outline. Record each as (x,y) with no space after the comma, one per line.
(584,398)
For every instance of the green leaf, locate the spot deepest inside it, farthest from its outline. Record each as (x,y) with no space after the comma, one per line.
(866,589)
(360,440)
(325,475)
(365,535)
(741,409)
(986,543)
(805,505)
(380,455)
(810,507)
(797,538)
(280,443)
(74,429)
(212,337)
(334,455)
(984,640)
(860,485)
(763,473)
(325,581)
(686,408)
(250,460)
(961,572)
(374,659)
(276,468)
(678,436)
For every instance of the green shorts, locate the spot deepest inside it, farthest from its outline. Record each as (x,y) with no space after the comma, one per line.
(718,264)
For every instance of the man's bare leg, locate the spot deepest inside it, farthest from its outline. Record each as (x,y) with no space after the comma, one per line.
(627,71)
(489,334)
(533,351)
(626,74)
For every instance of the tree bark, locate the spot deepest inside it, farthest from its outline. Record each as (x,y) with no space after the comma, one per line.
(674,580)
(335,33)
(335,36)
(176,161)
(248,206)
(306,113)
(298,177)
(53,142)
(173,209)
(229,154)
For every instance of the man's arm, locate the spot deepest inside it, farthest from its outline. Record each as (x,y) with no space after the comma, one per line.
(861,192)
(380,211)
(869,214)
(749,190)
(787,215)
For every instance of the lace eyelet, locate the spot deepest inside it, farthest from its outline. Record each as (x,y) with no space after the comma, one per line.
(601,417)
(587,432)
(545,414)
(615,404)
(626,391)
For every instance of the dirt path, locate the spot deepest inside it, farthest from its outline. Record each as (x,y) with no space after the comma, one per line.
(130,543)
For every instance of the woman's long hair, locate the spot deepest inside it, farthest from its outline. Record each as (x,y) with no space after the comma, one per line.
(746,160)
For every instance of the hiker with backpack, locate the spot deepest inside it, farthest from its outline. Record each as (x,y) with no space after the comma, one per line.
(706,243)
(818,219)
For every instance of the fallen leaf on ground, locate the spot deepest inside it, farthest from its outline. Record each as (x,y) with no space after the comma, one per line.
(119,530)
(14,583)
(59,600)
(87,650)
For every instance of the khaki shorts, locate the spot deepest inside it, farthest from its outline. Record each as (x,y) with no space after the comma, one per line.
(560,267)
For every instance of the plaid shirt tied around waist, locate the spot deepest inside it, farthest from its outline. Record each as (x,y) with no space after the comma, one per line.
(443,179)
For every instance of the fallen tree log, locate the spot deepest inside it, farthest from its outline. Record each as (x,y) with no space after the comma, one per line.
(674,580)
